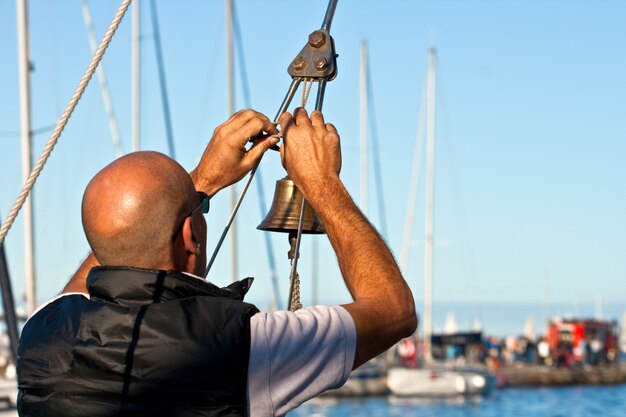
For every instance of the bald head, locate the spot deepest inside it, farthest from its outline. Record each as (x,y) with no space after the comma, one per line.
(132,207)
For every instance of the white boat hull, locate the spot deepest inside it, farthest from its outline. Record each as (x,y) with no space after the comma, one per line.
(438,382)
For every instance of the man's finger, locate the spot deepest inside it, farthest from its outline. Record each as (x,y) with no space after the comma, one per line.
(258,149)
(282,153)
(301,116)
(236,120)
(317,119)
(242,118)
(285,121)
(252,129)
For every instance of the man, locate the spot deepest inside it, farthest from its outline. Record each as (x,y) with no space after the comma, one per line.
(141,334)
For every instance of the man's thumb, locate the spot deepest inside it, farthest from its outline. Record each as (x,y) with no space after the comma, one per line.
(260,147)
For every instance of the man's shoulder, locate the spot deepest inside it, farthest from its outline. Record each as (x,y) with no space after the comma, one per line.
(63,307)
(60,299)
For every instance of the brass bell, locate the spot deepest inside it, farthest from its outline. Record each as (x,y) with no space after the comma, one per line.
(284,214)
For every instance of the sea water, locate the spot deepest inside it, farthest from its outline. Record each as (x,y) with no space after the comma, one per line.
(576,401)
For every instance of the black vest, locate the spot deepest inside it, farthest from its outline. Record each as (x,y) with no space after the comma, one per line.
(147,343)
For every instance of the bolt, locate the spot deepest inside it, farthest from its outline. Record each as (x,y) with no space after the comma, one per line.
(317,39)
(299,63)
(321,63)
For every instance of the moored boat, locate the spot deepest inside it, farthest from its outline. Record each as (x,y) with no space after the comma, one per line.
(439,381)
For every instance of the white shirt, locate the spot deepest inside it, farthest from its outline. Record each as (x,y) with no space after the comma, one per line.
(294,356)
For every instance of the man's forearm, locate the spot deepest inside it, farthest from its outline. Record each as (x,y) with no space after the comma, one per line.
(383,302)
(78,282)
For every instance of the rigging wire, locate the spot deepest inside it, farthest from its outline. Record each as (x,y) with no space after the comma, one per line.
(33,132)
(459,211)
(71,105)
(376,156)
(292,89)
(245,89)
(415,178)
(162,82)
(104,86)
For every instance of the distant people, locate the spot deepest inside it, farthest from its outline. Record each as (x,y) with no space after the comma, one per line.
(407,350)
(585,348)
(139,332)
(493,348)
(596,347)
(564,354)
(543,352)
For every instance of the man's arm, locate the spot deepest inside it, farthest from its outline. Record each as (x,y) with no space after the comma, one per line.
(383,309)
(78,282)
(224,162)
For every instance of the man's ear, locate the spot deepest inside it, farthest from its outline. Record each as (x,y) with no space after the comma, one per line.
(190,236)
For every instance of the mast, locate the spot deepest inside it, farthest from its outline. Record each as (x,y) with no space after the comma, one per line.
(136,66)
(230,107)
(8,305)
(23,54)
(363,107)
(430,194)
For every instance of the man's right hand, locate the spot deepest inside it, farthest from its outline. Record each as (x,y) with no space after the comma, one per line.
(226,160)
(311,152)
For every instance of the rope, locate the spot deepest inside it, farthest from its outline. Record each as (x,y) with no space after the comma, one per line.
(306,90)
(69,109)
(295,300)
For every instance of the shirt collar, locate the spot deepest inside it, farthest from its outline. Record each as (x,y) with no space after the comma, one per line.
(134,286)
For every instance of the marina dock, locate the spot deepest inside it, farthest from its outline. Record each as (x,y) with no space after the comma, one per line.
(522,375)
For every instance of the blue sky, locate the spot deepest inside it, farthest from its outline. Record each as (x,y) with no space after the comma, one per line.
(531,131)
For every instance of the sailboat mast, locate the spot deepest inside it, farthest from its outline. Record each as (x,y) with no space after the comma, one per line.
(429,244)
(230,104)
(363,107)
(136,65)
(24,74)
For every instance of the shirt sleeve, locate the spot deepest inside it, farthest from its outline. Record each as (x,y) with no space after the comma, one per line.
(295,356)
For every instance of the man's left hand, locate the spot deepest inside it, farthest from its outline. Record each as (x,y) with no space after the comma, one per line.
(226,160)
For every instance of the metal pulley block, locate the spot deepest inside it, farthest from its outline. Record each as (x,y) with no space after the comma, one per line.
(317,59)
